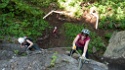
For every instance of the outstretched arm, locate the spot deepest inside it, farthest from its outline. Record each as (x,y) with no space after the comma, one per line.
(85,48)
(31,43)
(74,41)
(93,11)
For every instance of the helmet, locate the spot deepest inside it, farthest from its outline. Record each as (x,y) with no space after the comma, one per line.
(21,40)
(86,31)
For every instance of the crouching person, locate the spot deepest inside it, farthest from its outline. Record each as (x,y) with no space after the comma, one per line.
(28,44)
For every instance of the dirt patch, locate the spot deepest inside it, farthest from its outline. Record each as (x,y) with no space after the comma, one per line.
(53,40)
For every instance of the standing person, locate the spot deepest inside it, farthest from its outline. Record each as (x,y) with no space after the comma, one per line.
(81,42)
(94,13)
(28,44)
(92,16)
(55,31)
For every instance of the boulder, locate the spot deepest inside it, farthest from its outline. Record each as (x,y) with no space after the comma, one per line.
(116,46)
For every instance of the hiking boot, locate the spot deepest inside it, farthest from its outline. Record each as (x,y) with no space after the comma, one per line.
(68,54)
(71,52)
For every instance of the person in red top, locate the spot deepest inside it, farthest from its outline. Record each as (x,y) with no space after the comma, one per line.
(81,42)
(55,31)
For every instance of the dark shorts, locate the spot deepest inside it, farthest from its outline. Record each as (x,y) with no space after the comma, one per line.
(81,49)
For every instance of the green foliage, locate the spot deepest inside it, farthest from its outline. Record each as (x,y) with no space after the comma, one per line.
(4,3)
(111,12)
(72,6)
(16,52)
(96,41)
(20,19)
(23,54)
(21,6)
(108,35)
(54,57)
(42,3)
(122,26)
(19,53)
(71,30)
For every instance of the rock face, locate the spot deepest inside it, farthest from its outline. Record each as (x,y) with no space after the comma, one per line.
(115,53)
(47,60)
(6,54)
(43,61)
(94,65)
(116,47)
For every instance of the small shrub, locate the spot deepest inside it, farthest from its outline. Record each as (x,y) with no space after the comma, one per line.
(16,52)
(108,35)
(71,30)
(54,57)
(96,41)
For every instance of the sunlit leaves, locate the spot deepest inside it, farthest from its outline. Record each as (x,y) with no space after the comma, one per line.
(114,10)
(72,6)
